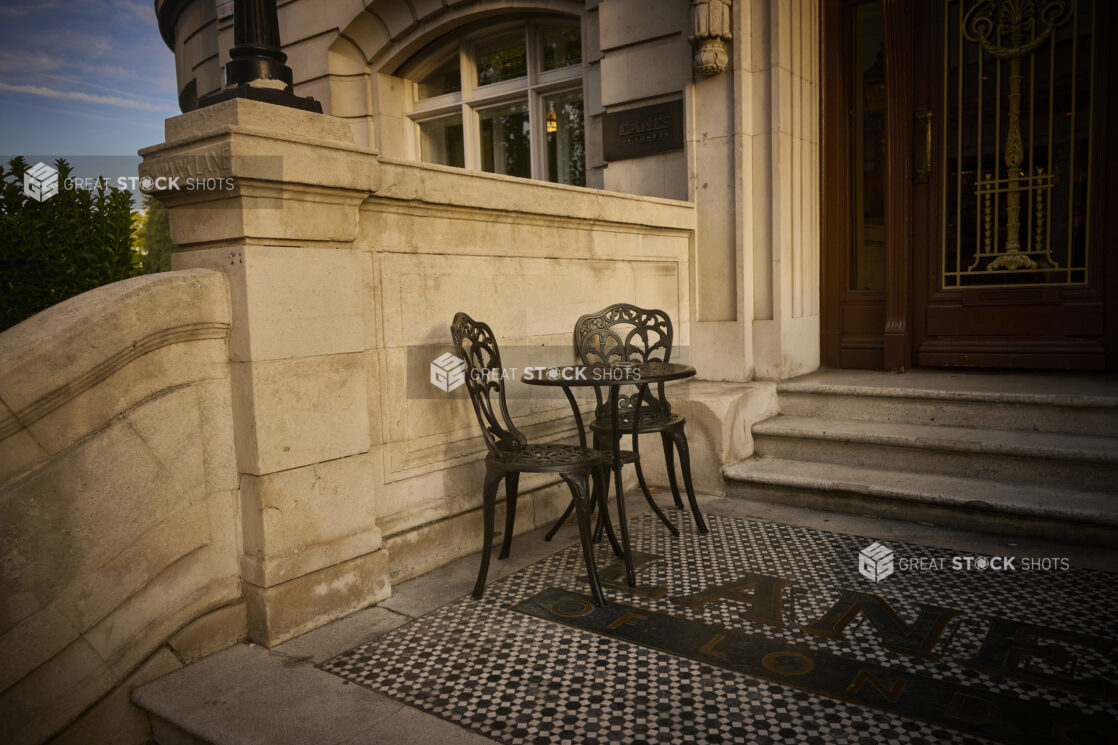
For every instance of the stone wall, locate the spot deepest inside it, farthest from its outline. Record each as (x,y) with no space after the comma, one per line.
(345,269)
(118,503)
(527,257)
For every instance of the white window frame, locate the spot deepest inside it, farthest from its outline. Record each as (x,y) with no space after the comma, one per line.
(531,89)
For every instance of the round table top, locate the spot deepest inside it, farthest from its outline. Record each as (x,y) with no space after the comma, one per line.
(602,375)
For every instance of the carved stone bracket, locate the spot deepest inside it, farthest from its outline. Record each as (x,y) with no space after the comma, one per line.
(710,30)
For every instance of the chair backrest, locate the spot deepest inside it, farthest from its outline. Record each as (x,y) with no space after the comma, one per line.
(625,333)
(475,343)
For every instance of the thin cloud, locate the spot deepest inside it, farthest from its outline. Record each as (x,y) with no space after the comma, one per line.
(143,11)
(38,90)
(30,7)
(90,115)
(28,61)
(130,94)
(93,44)
(41,62)
(99,117)
(114,71)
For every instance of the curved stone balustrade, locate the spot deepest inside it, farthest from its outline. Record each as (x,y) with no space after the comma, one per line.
(118,500)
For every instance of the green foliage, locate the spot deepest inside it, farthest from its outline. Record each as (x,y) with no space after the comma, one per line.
(68,244)
(155,240)
(139,230)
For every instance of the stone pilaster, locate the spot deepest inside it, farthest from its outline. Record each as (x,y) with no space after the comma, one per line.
(779,94)
(277,212)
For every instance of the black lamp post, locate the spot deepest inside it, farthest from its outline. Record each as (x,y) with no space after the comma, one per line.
(256,68)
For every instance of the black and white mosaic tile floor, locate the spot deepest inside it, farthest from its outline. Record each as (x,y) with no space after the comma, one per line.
(522,678)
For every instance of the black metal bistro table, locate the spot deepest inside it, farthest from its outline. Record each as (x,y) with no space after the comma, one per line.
(613,376)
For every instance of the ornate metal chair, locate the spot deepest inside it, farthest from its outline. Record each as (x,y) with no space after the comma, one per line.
(626,333)
(510,454)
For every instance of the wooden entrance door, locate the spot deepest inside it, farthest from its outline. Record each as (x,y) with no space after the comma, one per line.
(853,251)
(967,218)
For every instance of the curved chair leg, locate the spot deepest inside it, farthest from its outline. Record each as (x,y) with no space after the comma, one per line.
(512,484)
(601,481)
(601,490)
(680,438)
(599,524)
(570,508)
(640,473)
(580,496)
(559,523)
(489,509)
(669,464)
(607,472)
(651,503)
(596,485)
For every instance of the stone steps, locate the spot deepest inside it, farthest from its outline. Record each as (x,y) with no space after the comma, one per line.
(1027,414)
(968,503)
(1004,455)
(1016,453)
(1072,404)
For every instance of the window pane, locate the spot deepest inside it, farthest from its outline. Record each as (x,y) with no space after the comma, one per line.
(504,140)
(440,141)
(867,153)
(562,47)
(566,150)
(501,59)
(444,79)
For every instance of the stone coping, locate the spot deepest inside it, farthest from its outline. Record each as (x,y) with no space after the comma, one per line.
(443,185)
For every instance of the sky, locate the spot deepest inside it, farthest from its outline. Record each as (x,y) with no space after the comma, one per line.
(82,77)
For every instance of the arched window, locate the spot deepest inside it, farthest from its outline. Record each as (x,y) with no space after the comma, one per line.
(506,99)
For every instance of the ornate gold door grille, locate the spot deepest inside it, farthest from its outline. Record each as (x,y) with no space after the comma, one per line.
(1018,76)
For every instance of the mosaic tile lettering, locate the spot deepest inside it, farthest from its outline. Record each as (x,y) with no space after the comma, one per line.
(764,633)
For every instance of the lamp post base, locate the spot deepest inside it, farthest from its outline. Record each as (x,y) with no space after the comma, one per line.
(265,95)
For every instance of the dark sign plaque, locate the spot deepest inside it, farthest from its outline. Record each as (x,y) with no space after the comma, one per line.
(636,132)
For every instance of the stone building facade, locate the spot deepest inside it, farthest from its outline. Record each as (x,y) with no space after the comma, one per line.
(527,162)
(748,159)
(796,182)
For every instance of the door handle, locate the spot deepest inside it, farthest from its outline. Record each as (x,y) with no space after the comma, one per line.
(922,145)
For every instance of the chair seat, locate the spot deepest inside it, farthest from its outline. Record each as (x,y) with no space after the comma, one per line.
(549,457)
(652,420)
